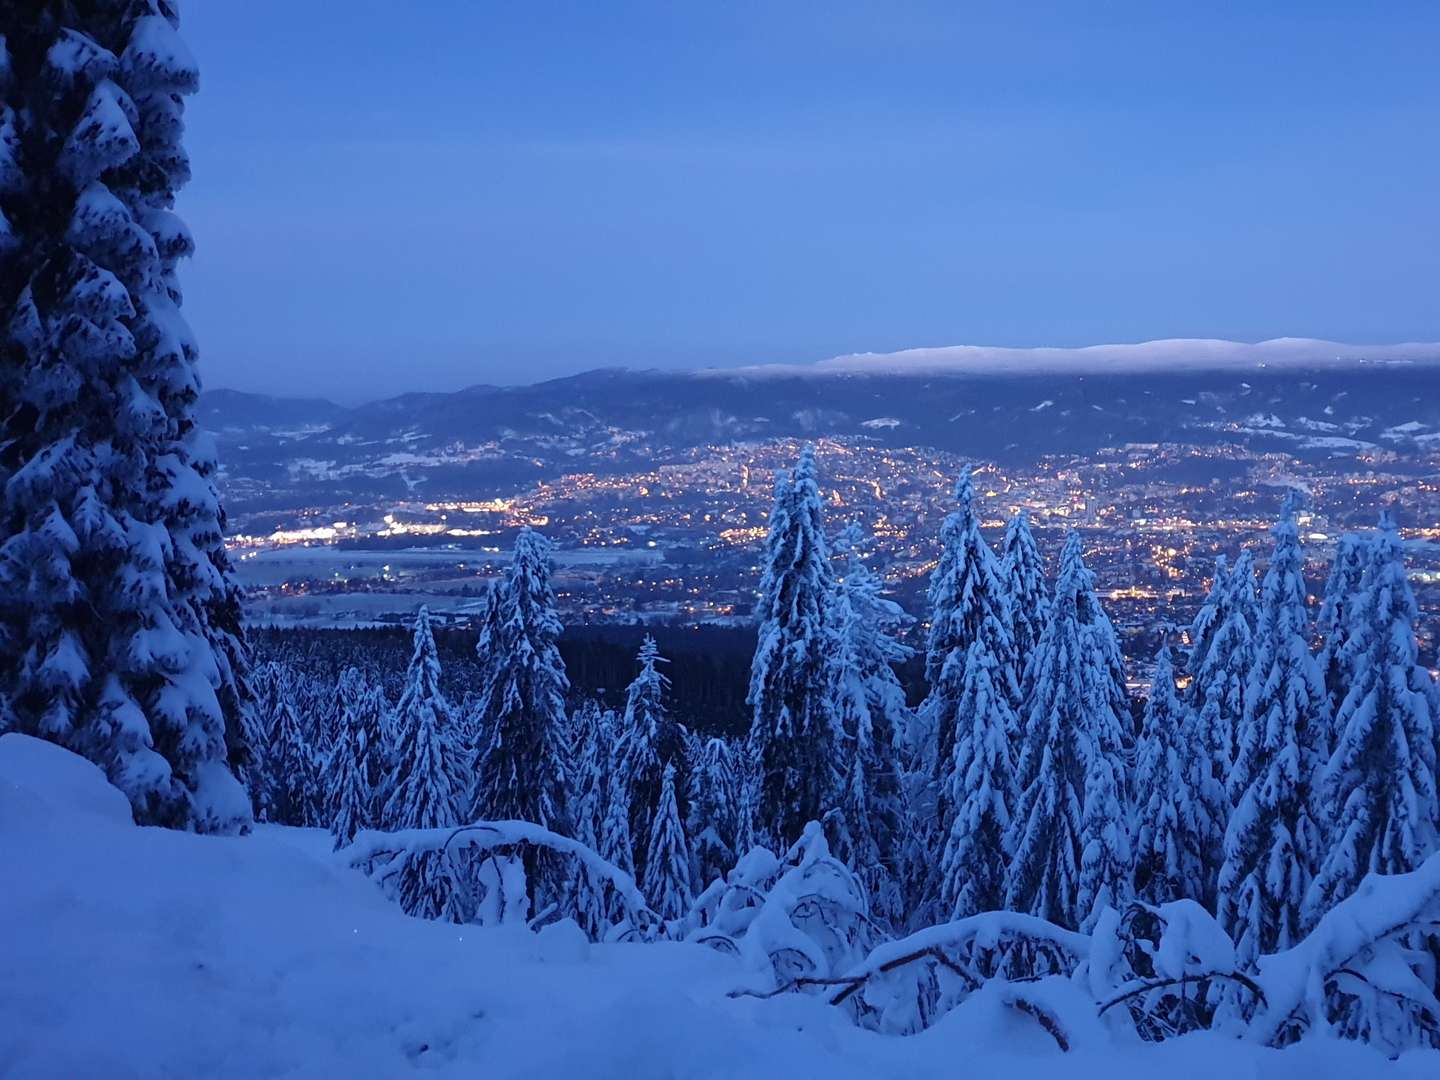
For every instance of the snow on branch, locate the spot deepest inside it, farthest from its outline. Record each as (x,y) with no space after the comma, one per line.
(1367,971)
(1359,952)
(374,852)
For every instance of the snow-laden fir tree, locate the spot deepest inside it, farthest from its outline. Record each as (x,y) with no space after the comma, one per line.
(613,831)
(1220,668)
(587,776)
(426,786)
(967,600)
(427,781)
(870,828)
(795,736)
(355,776)
(1068,832)
(1216,710)
(652,740)
(1175,833)
(585,768)
(520,773)
(1273,844)
(120,633)
(666,878)
(1244,596)
(1208,619)
(1337,610)
(1114,724)
(1027,595)
(713,801)
(487,661)
(1381,776)
(293,792)
(976,855)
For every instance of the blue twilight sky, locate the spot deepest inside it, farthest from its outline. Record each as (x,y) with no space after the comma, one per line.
(400,195)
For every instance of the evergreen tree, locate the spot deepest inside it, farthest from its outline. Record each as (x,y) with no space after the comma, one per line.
(1113,722)
(1381,776)
(1272,843)
(426,787)
(120,634)
(428,777)
(976,854)
(521,767)
(355,770)
(1027,597)
(795,732)
(270,684)
(870,828)
(652,740)
(666,881)
(1338,610)
(615,843)
(1068,833)
(1243,596)
(587,776)
(1208,620)
(1221,673)
(1175,833)
(293,794)
(488,652)
(967,600)
(713,808)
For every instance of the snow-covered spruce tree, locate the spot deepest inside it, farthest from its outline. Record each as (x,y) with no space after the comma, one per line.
(666,878)
(1273,844)
(1115,724)
(1381,776)
(976,855)
(1217,709)
(795,736)
(713,808)
(1244,597)
(1219,675)
(521,766)
(426,781)
(487,657)
(1174,832)
(121,630)
(293,794)
(1027,595)
(1342,597)
(613,830)
(870,828)
(586,774)
(651,740)
(355,775)
(967,599)
(426,786)
(1208,620)
(585,768)
(1068,833)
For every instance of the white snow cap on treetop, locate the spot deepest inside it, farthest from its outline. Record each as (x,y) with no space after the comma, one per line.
(1168,354)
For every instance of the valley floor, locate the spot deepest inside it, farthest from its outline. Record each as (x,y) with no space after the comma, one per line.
(130,952)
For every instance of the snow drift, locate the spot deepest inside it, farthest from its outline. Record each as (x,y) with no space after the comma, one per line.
(142,952)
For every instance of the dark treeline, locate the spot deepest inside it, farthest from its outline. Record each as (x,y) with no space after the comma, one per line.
(709,665)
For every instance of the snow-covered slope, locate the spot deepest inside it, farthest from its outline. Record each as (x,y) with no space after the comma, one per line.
(1167,355)
(128,952)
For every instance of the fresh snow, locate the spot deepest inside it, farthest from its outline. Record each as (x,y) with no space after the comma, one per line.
(147,952)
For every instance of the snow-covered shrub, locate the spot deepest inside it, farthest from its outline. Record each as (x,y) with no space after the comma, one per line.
(798,920)
(495,884)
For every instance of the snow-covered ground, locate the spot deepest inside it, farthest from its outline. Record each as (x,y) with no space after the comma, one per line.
(130,952)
